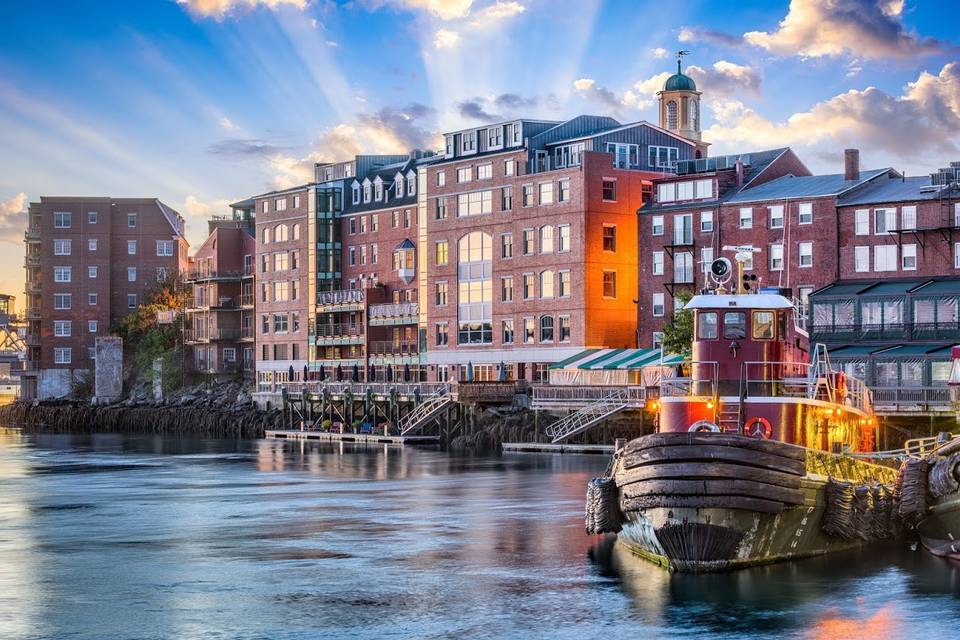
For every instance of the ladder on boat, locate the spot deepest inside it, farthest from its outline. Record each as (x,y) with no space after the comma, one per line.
(427,410)
(588,416)
(730,418)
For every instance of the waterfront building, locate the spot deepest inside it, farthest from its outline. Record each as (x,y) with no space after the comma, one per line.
(89,262)
(219,319)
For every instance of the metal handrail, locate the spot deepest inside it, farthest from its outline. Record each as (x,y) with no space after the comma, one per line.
(694,384)
(394,310)
(341,296)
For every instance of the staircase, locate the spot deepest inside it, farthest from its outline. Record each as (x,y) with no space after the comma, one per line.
(730,420)
(425,411)
(582,419)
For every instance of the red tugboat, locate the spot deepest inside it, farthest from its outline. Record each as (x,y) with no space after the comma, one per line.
(749,463)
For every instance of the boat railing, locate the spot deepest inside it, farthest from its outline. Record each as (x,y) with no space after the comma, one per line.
(803,380)
(694,378)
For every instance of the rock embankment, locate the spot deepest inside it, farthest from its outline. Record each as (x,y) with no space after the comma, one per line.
(221,410)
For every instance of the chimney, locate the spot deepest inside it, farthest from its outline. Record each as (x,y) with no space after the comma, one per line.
(739,167)
(851,164)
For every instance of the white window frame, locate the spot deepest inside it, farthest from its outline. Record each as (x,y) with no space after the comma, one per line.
(805,212)
(774,219)
(658,262)
(745,221)
(62,328)
(861,224)
(62,355)
(706,221)
(658,305)
(805,249)
(861,259)
(908,251)
(655,223)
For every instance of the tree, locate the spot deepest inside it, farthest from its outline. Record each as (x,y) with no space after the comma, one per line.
(678,331)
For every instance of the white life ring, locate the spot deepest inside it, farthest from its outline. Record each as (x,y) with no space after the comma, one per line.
(701,426)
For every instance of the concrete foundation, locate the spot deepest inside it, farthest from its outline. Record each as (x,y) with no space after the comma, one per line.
(108,377)
(56,383)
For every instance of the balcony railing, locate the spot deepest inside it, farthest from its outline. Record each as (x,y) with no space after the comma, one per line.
(205,335)
(394,310)
(246,333)
(33,286)
(32,340)
(912,399)
(892,331)
(338,330)
(204,303)
(394,348)
(32,259)
(246,300)
(32,234)
(341,297)
(213,274)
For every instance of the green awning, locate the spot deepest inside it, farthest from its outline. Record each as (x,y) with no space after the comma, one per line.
(908,350)
(892,287)
(614,359)
(939,287)
(580,356)
(853,350)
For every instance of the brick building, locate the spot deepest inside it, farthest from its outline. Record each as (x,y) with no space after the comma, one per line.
(89,262)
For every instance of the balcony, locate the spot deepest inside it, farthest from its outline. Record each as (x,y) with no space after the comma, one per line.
(249,270)
(393,348)
(341,300)
(32,234)
(920,331)
(33,286)
(32,340)
(32,259)
(246,300)
(246,333)
(207,275)
(912,400)
(394,313)
(208,335)
(33,313)
(339,333)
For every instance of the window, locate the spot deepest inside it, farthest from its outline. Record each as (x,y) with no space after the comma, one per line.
(609,190)
(441,178)
(506,198)
(563,238)
(908,217)
(165,248)
(704,189)
(475,203)
(131,247)
(528,330)
(62,355)
(956,255)
(546,239)
(706,221)
(707,325)
(92,217)
(862,222)
(62,328)
(546,193)
(563,191)
(131,220)
(509,167)
(609,284)
(806,254)
(61,247)
(280,259)
(776,257)
(885,257)
(131,301)
(546,328)
(564,283)
(464,174)
(468,141)
(706,258)
(506,331)
(280,323)
(92,326)
(564,326)
(441,294)
(62,301)
(656,225)
(609,237)
(861,259)
(92,299)
(529,282)
(625,155)
(281,291)
(295,257)
(62,274)
(658,305)
(746,218)
(62,219)
(657,339)
(484,171)
(475,289)
(666,192)
(805,213)
(658,263)
(506,289)
(776,217)
(763,325)
(734,325)
(884,220)
(92,272)
(443,334)
(528,248)
(908,257)
(546,284)
(527,195)
(92,244)
(363,255)
(441,211)
(411,185)
(506,245)
(664,157)
(685,190)
(441,252)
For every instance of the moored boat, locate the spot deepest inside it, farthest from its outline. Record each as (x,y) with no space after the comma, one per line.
(751,460)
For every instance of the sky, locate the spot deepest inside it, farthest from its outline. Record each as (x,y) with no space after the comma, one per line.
(205,102)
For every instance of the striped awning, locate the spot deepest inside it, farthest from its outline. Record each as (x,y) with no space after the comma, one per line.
(609,359)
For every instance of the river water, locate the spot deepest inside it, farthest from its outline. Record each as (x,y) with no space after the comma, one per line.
(110,536)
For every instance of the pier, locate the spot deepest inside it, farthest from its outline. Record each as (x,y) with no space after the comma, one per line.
(362,438)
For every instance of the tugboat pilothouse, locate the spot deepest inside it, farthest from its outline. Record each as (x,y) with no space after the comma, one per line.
(749,461)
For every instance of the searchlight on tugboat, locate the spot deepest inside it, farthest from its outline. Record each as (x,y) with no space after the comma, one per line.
(750,460)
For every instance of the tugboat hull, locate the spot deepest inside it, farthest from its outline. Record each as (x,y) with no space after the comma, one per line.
(703,502)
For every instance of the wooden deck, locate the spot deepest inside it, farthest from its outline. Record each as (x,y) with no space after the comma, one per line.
(363,438)
(540,447)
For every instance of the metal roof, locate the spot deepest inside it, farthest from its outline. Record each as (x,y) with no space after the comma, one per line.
(951,285)
(746,301)
(841,353)
(804,186)
(909,350)
(892,286)
(892,190)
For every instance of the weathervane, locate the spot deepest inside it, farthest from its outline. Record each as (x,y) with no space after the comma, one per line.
(680,54)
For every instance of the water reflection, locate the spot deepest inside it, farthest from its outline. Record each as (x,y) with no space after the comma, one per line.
(145,536)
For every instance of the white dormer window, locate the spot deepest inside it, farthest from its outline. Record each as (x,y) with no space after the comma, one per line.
(398,184)
(468,142)
(411,183)
(494,137)
(355,187)
(366,190)
(378,190)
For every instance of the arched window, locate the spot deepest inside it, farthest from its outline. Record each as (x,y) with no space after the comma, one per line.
(546,284)
(546,328)
(280,233)
(296,231)
(265,235)
(672,114)
(475,288)
(695,115)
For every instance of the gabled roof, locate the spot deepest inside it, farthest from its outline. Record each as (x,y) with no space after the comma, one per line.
(172,217)
(406,244)
(791,186)
(622,127)
(893,189)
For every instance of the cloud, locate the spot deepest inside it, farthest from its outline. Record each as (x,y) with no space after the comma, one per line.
(726,78)
(497,11)
(13,218)
(866,28)
(445,39)
(697,34)
(197,212)
(332,44)
(602,95)
(227,124)
(644,92)
(920,124)
(495,108)
(659,53)
(243,147)
(220,8)
(443,9)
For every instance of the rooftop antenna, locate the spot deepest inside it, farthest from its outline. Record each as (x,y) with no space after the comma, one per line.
(680,54)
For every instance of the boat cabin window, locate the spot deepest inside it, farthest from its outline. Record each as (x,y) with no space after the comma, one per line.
(707,325)
(734,325)
(763,325)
